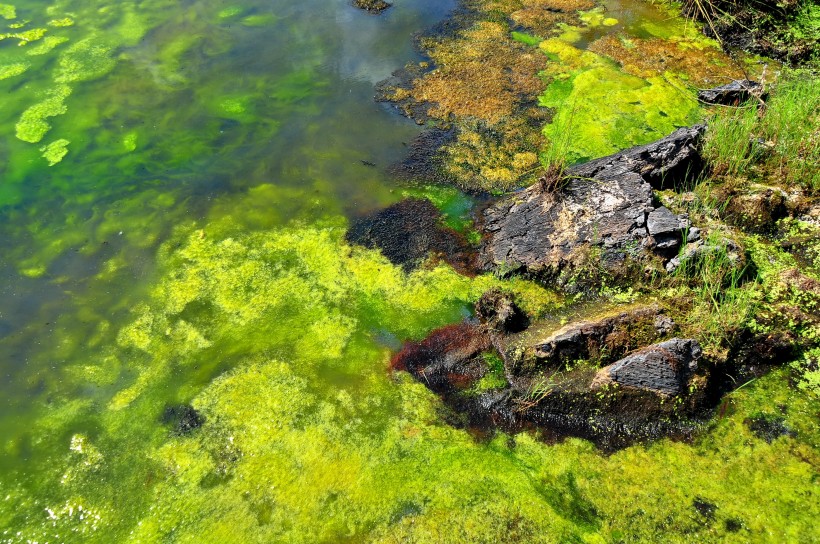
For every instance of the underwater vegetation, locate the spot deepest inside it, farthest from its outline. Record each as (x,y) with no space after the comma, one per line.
(192,351)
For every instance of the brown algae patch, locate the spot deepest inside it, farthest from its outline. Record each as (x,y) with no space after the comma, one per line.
(703,66)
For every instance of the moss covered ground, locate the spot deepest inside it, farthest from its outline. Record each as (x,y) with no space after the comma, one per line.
(173,226)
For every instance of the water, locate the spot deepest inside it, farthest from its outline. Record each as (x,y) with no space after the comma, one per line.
(188,248)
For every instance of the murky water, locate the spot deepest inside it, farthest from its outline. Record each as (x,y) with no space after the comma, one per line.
(175,183)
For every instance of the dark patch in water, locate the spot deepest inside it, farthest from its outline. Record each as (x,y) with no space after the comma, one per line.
(704,508)
(408,232)
(182,418)
(424,163)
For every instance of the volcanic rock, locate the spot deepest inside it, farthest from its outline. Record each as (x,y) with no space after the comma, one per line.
(732,94)
(663,368)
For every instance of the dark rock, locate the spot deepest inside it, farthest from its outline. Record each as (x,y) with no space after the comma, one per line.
(769,428)
(604,340)
(663,368)
(662,221)
(410,231)
(662,163)
(499,311)
(448,359)
(665,325)
(182,418)
(606,203)
(373,6)
(732,94)
(541,232)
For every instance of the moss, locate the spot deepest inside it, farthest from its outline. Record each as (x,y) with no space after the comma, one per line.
(55,151)
(61,23)
(26,36)
(32,126)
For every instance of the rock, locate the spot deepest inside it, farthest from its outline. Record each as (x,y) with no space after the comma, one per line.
(448,359)
(372,6)
(182,418)
(662,163)
(499,312)
(696,253)
(662,368)
(408,232)
(606,203)
(604,340)
(662,222)
(665,325)
(732,94)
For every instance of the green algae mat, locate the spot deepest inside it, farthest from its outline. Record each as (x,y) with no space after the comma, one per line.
(191,352)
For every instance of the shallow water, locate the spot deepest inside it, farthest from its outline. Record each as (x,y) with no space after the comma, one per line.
(189,248)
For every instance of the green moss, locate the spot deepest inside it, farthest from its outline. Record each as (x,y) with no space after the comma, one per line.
(61,23)
(12,70)
(26,36)
(55,151)
(526,39)
(32,126)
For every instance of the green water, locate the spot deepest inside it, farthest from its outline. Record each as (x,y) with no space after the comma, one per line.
(175,182)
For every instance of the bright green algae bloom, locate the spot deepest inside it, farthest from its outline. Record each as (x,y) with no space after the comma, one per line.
(601,109)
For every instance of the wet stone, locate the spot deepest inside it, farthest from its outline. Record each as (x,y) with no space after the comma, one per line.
(704,508)
(373,6)
(499,311)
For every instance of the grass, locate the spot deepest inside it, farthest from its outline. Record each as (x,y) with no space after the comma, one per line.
(724,298)
(779,142)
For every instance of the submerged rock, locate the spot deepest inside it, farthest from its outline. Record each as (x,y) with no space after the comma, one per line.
(769,428)
(182,418)
(499,311)
(373,6)
(733,93)
(663,368)
(410,231)
(630,406)
(448,359)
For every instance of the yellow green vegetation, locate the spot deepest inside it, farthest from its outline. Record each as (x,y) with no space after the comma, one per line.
(779,143)
(308,436)
(12,70)
(8,11)
(600,109)
(32,126)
